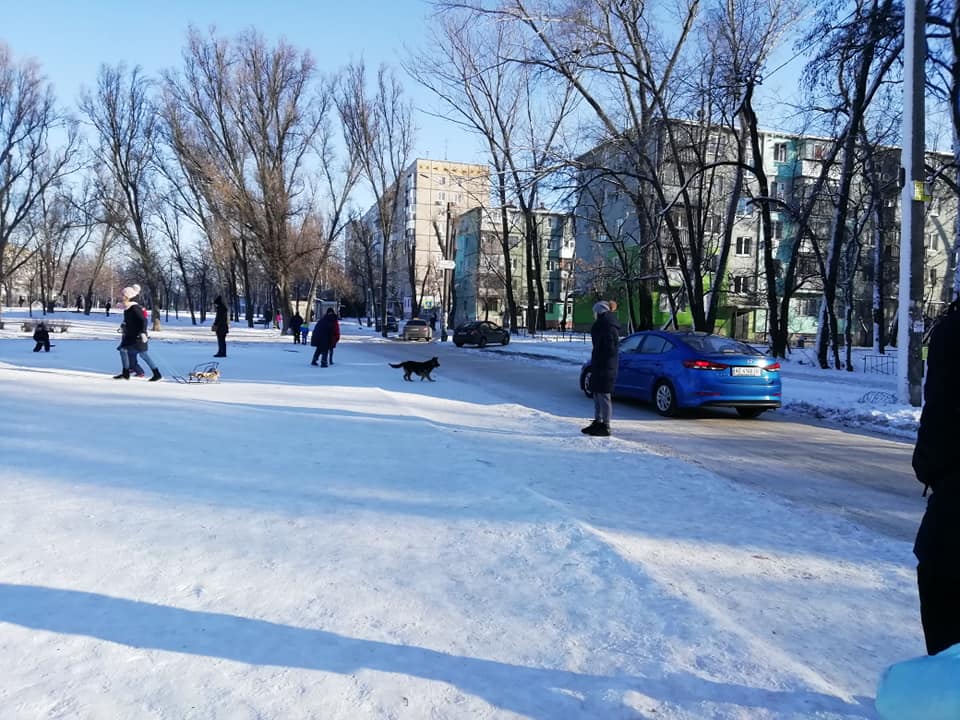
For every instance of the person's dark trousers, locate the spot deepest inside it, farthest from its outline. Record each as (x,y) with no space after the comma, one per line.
(939,608)
(331,356)
(221,345)
(41,344)
(296,337)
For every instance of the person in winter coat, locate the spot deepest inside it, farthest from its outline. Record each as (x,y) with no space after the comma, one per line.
(936,462)
(134,335)
(107,307)
(42,337)
(604,363)
(336,332)
(326,334)
(296,322)
(304,331)
(221,326)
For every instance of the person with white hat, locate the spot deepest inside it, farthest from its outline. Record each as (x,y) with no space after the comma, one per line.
(134,336)
(604,363)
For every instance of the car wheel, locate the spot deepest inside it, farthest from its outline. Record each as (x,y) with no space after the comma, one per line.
(458,343)
(506,340)
(482,342)
(586,379)
(664,399)
(750,412)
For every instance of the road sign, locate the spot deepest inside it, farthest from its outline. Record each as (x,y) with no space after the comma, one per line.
(446,264)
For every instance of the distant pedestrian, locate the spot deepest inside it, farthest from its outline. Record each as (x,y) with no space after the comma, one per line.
(278,320)
(326,334)
(221,326)
(21,301)
(296,322)
(134,337)
(79,303)
(42,337)
(936,462)
(304,331)
(604,362)
(107,307)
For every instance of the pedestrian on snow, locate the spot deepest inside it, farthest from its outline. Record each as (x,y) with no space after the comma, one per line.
(936,461)
(107,306)
(21,301)
(42,337)
(278,320)
(79,303)
(326,334)
(604,363)
(221,326)
(296,322)
(304,331)
(134,337)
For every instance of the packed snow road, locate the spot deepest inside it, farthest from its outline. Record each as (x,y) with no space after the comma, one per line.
(299,542)
(863,477)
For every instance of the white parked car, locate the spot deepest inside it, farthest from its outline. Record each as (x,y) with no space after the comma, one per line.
(417,329)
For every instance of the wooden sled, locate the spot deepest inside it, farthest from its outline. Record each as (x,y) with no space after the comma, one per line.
(202,373)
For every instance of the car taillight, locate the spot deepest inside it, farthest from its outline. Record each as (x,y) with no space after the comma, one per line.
(772,368)
(704,365)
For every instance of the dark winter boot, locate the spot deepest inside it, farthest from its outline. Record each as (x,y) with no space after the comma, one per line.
(598,430)
(125,375)
(156,376)
(588,430)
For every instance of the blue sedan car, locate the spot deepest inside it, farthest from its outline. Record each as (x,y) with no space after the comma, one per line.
(676,370)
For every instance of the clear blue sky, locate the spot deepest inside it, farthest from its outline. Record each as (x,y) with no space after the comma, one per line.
(72,38)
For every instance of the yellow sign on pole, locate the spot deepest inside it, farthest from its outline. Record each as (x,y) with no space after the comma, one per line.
(920,191)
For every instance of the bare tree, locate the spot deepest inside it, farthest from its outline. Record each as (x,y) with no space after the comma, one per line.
(857,54)
(943,19)
(126,124)
(378,129)
(245,117)
(30,164)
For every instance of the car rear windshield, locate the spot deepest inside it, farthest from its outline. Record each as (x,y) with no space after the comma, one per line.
(716,345)
(416,322)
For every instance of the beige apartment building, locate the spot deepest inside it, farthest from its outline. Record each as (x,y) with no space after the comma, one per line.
(434,194)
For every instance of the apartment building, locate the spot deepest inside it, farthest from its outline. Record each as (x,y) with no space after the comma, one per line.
(480,277)
(614,245)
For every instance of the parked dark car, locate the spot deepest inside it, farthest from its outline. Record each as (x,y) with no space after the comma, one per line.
(694,369)
(480,333)
(392,324)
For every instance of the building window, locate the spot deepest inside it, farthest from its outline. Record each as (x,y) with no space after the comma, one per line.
(777,230)
(742,284)
(933,276)
(744,245)
(672,259)
(744,206)
(780,152)
(810,307)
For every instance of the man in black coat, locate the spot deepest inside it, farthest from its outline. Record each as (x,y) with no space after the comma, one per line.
(936,461)
(604,363)
(220,326)
(296,322)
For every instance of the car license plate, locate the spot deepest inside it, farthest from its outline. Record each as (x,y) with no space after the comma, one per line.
(745,371)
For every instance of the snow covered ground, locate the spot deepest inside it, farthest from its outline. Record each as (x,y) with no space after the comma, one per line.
(305,543)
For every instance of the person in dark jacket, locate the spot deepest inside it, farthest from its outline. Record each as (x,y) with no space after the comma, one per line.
(604,363)
(221,326)
(326,334)
(936,462)
(296,322)
(134,337)
(42,337)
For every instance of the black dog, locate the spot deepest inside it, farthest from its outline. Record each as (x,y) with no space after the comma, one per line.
(423,369)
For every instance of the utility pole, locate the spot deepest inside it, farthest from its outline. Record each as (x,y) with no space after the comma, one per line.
(910,323)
